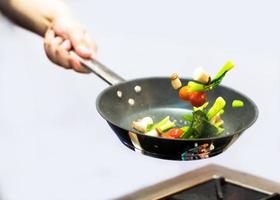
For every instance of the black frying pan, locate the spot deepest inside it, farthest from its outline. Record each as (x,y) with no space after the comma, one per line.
(158,99)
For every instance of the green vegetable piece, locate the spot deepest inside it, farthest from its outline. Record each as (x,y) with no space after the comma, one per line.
(191,137)
(201,107)
(219,123)
(163,125)
(219,76)
(228,66)
(217,115)
(216,108)
(195,87)
(185,128)
(149,127)
(187,132)
(221,112)
(162,122)
(188,117)
(201,127)
(167,126)
(237,103)
(220,130)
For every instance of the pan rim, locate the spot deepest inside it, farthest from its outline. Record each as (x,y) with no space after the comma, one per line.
(239,131)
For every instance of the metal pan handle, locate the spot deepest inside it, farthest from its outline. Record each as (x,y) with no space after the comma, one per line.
(100,70)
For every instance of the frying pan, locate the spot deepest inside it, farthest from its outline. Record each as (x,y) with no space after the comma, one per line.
(158,99)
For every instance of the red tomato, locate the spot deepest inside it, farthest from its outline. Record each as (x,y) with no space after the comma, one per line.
(184,93)
(175,132)
(167,135)
(197,98)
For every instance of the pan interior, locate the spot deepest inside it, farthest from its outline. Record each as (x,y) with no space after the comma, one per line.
(158,99)
(158,114)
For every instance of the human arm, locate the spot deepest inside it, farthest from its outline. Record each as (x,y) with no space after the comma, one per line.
(52,20)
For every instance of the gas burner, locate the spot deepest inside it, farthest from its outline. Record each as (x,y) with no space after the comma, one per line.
(211,182)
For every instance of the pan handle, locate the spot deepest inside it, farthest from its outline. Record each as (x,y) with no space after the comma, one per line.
(100,70)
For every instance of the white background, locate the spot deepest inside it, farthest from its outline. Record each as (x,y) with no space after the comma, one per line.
(53,143)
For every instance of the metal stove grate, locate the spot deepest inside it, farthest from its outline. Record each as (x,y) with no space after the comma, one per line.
(220,188)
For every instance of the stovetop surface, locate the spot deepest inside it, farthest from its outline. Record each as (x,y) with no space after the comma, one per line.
(220,189)
(211,182)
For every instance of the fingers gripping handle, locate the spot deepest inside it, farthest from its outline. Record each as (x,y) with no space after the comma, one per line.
(99,69)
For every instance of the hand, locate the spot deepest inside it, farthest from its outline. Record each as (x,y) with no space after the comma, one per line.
(65,35)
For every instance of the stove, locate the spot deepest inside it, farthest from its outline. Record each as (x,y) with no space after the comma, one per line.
(211,182)
(221,188)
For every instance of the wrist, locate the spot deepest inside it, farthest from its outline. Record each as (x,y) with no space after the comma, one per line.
(61,11)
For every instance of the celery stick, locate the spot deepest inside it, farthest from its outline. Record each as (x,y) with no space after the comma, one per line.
(186,133)
(167,126)
(221,112)
(219,123)
(195,87)
(220,130)
(217,107)
(185,128)
(201,107)
(162,122)
(218,115)
(163,125)
(237,103)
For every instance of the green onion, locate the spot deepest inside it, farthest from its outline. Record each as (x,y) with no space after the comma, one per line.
(196,87)
(228,66)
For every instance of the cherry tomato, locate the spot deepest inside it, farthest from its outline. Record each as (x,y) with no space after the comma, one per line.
(167,135)
(184,93)
(175,132)
(197,98)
